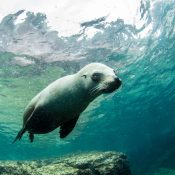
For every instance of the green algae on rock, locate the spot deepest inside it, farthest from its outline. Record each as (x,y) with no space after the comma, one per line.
(93,163)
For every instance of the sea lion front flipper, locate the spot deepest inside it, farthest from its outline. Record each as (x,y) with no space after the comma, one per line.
(67,127)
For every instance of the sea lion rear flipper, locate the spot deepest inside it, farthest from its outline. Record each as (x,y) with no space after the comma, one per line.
(19,135)
(23,130)
(67,127)
(31,137)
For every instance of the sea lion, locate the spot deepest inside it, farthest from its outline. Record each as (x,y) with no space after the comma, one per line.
(61,103)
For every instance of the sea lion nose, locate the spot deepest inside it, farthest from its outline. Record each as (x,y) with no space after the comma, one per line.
(118,81)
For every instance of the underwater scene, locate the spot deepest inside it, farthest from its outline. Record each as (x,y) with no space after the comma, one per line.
(117,102)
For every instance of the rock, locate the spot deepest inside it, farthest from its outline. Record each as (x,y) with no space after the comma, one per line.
(94,163)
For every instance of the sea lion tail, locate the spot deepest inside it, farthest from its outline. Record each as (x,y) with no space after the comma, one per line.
(19,135)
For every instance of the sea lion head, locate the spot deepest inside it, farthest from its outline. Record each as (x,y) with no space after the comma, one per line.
(99,78)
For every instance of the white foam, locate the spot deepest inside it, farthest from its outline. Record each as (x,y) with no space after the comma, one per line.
(20,18)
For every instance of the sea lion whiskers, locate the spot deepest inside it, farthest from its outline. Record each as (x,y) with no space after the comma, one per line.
(95,90)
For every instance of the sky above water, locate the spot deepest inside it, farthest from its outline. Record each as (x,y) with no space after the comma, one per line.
(65,16)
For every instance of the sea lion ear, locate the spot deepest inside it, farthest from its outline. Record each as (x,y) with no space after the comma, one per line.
(84,76)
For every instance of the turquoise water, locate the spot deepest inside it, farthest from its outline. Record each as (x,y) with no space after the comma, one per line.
(138,119)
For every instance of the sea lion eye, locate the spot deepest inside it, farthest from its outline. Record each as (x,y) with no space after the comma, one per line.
(96,77)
